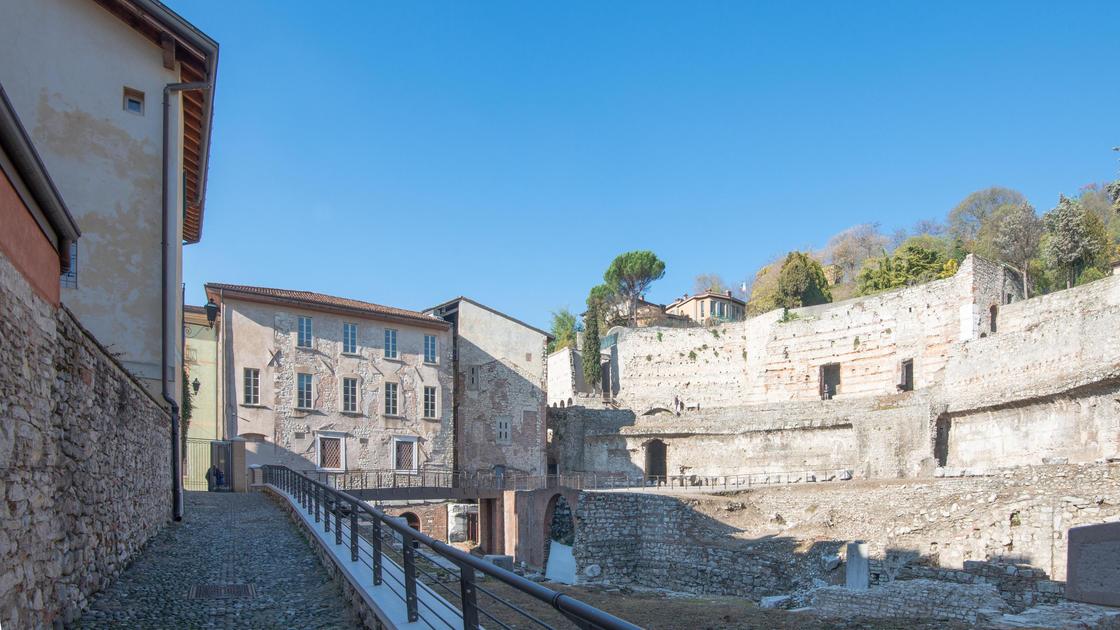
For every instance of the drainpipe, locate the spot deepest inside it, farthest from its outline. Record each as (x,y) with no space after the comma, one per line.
(166,295)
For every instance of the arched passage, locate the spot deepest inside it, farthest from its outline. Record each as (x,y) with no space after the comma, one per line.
(559,526)
(656,463)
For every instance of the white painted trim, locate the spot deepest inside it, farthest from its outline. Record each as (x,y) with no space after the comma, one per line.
(341,437)
(415,452)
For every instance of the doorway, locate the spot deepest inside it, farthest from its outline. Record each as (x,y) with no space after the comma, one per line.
(656,462)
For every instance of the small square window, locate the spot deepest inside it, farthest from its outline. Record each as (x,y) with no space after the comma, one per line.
(134,101)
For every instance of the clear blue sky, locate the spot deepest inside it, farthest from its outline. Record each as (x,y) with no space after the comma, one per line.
(408,152)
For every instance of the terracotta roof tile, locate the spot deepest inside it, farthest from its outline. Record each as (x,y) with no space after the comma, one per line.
(312,299)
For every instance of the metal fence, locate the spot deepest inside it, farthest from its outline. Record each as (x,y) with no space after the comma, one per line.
(440,478)
(406,560)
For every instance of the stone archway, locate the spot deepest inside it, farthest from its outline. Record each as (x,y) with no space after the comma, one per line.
(656,464)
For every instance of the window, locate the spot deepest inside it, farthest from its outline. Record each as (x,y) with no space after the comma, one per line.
(69,280)
(711,307)
(390,399)
(350,395)
(719,309)
(304,338)
(390,343)
(502,430)
(331,451)
(404,453)
(350,338)
(252,393)
(429,402)
(472,377)
(133,101)
(429,348)
(993,313)
(303,391)
(906,378)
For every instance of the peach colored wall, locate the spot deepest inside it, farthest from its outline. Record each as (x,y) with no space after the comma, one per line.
(24,243)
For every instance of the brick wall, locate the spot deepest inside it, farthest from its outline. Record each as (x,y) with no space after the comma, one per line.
(85,461)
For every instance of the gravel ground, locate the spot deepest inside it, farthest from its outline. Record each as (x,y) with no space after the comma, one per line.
(224,538)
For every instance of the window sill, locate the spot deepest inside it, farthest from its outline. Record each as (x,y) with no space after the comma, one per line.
(432,363)
(393,416)
(304,409)
(308,348)
(253,405)
(331,470)
(356,414)
(406,471)
(396,359)
(430,418)
(355,355)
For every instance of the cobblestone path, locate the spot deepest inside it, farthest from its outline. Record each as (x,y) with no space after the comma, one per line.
(224,538)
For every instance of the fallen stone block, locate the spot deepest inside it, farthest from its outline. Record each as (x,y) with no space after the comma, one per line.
(776,601)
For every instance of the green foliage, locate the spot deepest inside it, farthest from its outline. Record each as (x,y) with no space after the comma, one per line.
(911,264)
(592,372)
(764,290)
(801,282)
(968,217)
(715,333)
(1077,239)
(788,316)
(630,274)
(1016,238)
(601,301)
(949,269)
(659,335)
(564,328)
(186,410)
(692,354)
(1089,275)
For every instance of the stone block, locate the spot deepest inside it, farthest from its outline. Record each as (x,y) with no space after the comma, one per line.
(857,572)
(776,601)
(1093,564)
(500,561)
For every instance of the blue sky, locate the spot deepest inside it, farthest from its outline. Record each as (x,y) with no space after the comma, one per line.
(408,152)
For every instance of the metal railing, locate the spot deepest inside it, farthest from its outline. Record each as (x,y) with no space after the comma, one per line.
(406,560)
(436,478)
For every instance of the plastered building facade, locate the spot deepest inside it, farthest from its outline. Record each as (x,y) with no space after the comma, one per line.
(371,387)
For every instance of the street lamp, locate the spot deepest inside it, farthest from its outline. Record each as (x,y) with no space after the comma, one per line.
(195,385)
(211,311)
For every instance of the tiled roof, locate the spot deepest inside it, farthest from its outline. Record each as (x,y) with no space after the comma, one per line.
(311,299)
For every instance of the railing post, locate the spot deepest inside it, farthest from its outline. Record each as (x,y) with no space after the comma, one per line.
(353,531)
(408,553)
(315,500)
(469,596)
(337,521)
(327,502)
(375,540)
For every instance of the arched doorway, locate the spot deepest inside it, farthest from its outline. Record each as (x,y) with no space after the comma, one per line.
(412,520)
(560,535)
(656,462)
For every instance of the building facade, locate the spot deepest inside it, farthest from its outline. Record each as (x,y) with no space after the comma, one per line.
(501,380)
(87,78)
(200,363)
(709,307)
(327,383)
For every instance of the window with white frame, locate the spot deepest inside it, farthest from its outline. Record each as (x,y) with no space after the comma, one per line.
(404,453)
(429,349)
(391,399)
(350,338)
(350,395)
(502,430)
(303,390)
(429,402)
(303,339)
(252,386)
(330,451)
(390,343)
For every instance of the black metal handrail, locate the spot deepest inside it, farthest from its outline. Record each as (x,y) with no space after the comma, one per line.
(319,498)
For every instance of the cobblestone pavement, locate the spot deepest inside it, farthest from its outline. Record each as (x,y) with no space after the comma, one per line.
(224,538)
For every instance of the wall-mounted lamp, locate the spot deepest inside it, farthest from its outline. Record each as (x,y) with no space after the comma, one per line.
(211,311)
(195,385)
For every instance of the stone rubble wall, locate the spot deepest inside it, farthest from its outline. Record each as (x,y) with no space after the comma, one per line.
(926,599)
(774,540)
(85,461)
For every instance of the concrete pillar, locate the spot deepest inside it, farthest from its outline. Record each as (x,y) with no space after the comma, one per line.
(858,567)
(239,473)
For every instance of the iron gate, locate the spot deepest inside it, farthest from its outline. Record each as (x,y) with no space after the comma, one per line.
(208,456)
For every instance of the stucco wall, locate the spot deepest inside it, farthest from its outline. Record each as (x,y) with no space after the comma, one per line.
(201,363)
(263,336)
(66,64)
(85,457)
(512,376)
(565,377)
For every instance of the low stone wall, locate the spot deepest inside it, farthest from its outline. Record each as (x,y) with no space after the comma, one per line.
(85,462)
(1020,586)
(925,599)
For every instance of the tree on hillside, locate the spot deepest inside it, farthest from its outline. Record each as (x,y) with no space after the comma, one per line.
(629,276)
(603,302)
(848,249)
(801,282)
(592,373)
(1016,240)
(1113,192)
(968,217)
(564,329)
(1076,239)
(764,289)
(709,282)
(911,264)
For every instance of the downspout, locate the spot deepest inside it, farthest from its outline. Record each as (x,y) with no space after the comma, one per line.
(165,302)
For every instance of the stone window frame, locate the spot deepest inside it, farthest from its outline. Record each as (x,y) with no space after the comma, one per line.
(304,339)
(424,402)
(390,346)
(434,355)
(250,389)
(355,394)
(474,378)
(415,467)
(349,338)
(311,391)
(330,435)
(392,411)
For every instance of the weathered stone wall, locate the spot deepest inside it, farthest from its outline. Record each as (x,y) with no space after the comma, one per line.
(924,599)
(565,378)
(85,461)
(432,517)
(776,539)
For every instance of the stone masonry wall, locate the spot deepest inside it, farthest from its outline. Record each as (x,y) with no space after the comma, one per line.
(85,461)
(777,539)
